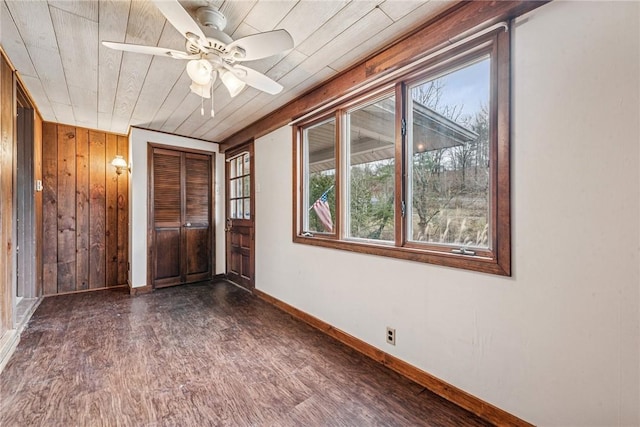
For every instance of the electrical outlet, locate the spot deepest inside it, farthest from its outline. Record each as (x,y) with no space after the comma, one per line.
(391,336)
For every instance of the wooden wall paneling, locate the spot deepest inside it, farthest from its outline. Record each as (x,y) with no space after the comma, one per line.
(172,101)
(111,217)
(85,9)
(162,70)
(37,176)
(134,67)
(266,15)
(79,60)
(82,209)
(235,12)
(13,44)
(6,201)
(50,208)
(85,210)
(123,215)
(66,208)
(40,39)
(97,207)
(430,37)
(112,26)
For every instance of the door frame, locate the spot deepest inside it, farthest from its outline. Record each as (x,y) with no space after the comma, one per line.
(28,235)
(150,211)
(230,154)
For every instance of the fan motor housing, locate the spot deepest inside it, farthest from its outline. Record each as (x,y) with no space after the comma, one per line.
(210,17)
(213,23)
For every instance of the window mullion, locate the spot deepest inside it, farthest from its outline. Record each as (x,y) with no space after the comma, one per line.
(400,167)
(339,187)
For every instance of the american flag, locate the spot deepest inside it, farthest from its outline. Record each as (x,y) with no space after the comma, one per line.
(321,207)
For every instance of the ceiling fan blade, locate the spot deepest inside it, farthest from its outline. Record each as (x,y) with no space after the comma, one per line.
(256,79)
(149,50)
(261,45)
(181,20)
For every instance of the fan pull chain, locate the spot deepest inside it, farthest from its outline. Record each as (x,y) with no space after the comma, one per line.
(212,113)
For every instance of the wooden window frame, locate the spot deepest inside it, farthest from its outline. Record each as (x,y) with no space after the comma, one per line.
(495,260)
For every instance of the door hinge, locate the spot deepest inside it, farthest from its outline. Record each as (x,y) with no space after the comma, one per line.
(403,127)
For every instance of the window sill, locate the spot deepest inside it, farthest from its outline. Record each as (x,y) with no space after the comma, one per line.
(478,263)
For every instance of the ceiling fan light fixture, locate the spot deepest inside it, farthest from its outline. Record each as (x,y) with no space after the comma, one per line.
(199,70)
(233,84)
(201,90)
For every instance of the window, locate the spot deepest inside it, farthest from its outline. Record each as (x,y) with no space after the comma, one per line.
(370,144)
(448,132)
(417,168)
(240,186)
(320,176)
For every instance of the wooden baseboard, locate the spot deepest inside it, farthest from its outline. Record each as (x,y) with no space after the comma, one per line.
(453,394)
(218,277)
(83,291)
(140,290)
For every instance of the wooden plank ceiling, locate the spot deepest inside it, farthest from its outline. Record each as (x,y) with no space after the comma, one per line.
(55,46)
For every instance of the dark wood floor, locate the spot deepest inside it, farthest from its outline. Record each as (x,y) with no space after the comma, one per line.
(199,355)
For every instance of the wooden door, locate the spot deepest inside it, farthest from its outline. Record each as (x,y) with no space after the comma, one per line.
(182,238)
(240,216)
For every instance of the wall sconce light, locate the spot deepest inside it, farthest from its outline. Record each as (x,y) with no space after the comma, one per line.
(120,164)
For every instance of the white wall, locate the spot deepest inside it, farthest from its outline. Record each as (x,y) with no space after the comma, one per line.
(558,343)
(138,189)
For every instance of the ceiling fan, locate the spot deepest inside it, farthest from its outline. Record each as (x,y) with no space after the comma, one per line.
(212,53)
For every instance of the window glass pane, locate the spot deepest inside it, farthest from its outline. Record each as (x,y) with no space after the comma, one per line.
(238,184)
(232,188)
(232,169)
(239,208)
(371,141)
(247,209)
(320,176)
(247,186)
(233,208)
(247,160)
(448,124)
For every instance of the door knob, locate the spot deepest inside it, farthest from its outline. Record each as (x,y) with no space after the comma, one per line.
(188,224)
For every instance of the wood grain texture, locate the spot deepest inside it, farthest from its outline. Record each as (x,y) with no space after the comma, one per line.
(202,354)
(36,29)
(134,68)
(123,215)
(66,208)
(430,37)
(37,165)
(465,400)
(240,236)
(97,209)
(111,219)
(7,142)
(79,60)
(50,208)
(112,27)
(84,208)
(180,206)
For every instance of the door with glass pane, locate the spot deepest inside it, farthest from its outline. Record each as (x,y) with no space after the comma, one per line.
(240,217)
